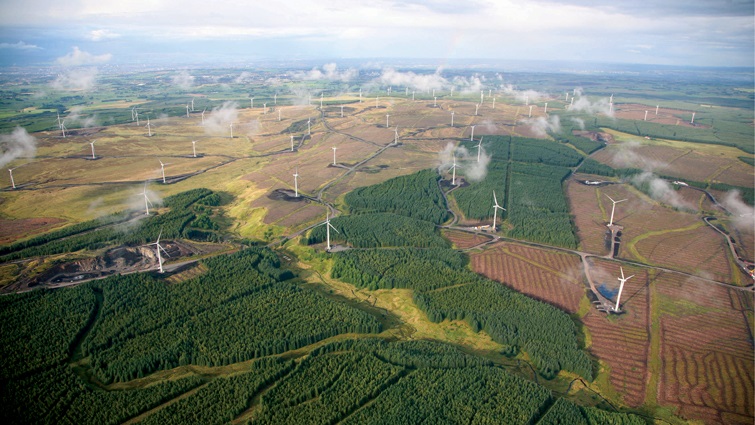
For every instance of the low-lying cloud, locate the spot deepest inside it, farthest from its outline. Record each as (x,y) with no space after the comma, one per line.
(742,214)
(419,82)
(77,79)
(661,190)
(541,126)
(79,57)
(17,144)
(329,72)
(466,162)
(183,80)
(218,121)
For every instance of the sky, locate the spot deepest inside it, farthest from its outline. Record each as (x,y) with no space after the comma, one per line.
(716,33)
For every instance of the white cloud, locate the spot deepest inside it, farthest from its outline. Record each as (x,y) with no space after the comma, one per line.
(79,57)
(541,126)
(76,79)
(19,46)
(183,80)
(17,144)
(102,34)
(329,72)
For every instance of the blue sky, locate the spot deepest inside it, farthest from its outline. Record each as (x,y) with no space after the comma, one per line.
(671,32)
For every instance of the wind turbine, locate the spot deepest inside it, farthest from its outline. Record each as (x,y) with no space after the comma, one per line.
(471,137)
(12,183)
(264,109)
(136,112)
(545,109)
(251,102)
(646,116)
(279,114)
(476,108)
(147,202)
(334,155)
(309,126)
(203,111)
(395,136)
(496,207)
(162,169)
(692,121)
(435,101)
(386,120)
(530,115)
(192,104)
(341,111)
(63,128)
(231,130)
(149,128)
(158,248)
(296,183)
(452,118)
(613,208)
(493,102)
(453,168)
(92,145)
(623,280)
(479,149)
(194,147)
(187,110)
(292,143)
(328,226)
(656,109)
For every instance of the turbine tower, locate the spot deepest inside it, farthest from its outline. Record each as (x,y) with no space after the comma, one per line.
(471,137)
(328,226)
(479,149)
(613,208)
(646,116)
(149,128)
(341,111)
(296,183)
(656,109)
(63,128)
(12,183)
(395,136)
(162,169)
(187,110)
(452,118)
(292,143)
(692,121)
(493,102)
(275,99)
(147,202)
(545,109)
(334,155)
(264,109)
(159,248)
(194,147)
(530,114)
(435,102)
(496,207)
(231,130)
(203,111)
(309,126)
(386,120)
(476,109)
(453,168)
(251,102)
(92,145)
(623,280)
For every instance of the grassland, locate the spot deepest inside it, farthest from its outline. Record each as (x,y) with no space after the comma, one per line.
(647,360)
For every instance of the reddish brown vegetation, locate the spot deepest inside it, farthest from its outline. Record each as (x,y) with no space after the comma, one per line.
(464,240)
(553,277)
(11,230)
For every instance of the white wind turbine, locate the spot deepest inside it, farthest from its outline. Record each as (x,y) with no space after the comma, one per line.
(328,226)
(12,182)
(452,118)
(395,136)
(334,155)
(453,168)
(341,111)
(435,101)
(623,280)
(386,120)
(613,208)
(479,149)
(476,108)
(149,128)
(296,183)
(231,130)
(496,207)
(63,128)
(545,109)
(203,111)
(251,102)
(147,202)
(292,143)
(159,248)
(471,137)
(264,109)
(194,147)
(162,169)
(493,102)
(187,110)
(92,145)
(530,114)
(192,104)
(309,126)
(279,114)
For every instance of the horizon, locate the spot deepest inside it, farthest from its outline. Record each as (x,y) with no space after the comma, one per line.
(700,33)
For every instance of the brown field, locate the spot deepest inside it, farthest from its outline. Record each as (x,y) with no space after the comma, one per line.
(623,343)
(550,276)
(701,251)
(634,111)
(695,162)
(11,230)
(463,240)
(588,218)
(706,350)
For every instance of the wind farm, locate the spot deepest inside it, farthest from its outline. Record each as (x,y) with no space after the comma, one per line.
(573,207)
